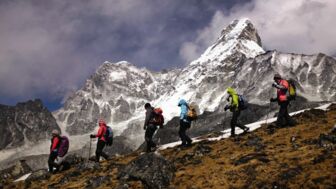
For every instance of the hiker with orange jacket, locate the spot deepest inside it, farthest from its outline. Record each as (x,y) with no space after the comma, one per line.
(101,140)
(282,87)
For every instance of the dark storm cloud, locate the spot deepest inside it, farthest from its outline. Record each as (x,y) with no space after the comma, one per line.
(50,47)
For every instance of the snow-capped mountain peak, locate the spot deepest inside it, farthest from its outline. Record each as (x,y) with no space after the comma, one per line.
(239,37)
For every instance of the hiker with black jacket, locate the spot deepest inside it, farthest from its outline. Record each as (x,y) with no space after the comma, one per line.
(101,140)
(282,87)
(234,108)
(150,127)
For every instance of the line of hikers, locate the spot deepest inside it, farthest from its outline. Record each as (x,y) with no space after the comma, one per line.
(285,93)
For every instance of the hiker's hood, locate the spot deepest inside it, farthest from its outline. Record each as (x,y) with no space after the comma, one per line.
(231,91)
(182,102)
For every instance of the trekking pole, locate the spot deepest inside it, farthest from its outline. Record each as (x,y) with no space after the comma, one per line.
(89,150)
(224,120)
(269,108)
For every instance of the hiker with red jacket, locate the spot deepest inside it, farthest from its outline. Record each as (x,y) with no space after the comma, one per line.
(55,144)
(150,127)
(282,87)
(101,140)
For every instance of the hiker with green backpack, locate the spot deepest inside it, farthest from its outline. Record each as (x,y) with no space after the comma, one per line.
(236,106)
(105,137)
(154,118)
(285,93)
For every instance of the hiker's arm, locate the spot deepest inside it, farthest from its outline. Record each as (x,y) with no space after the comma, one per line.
(100,132)
(148,114)
(54,144)
(278,86)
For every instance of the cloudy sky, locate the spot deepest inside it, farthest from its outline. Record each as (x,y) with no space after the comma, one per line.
(49,48)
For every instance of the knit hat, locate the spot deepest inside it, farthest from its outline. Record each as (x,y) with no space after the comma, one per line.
(101,121)
(277,76)
(55,132)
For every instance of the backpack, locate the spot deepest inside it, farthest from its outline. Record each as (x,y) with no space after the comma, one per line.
(192,114)
(64,146)
(108,136)
(158,118)
(242,102)
(291,92)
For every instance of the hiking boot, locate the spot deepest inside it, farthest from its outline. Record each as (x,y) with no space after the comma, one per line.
(92,158)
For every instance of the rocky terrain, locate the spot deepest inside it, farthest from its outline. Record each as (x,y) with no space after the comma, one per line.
(26,123)
(302,156)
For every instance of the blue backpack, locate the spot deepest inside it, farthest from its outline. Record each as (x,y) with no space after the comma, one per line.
(108,136)
(242,102)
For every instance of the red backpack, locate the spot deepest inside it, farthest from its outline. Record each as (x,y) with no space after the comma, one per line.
(158,118)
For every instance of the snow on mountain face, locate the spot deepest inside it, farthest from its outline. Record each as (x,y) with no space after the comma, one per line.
(118,91)
(314,75)
(113,93)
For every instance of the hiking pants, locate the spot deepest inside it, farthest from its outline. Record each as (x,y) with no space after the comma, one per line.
(99,151)
(283,117)
(234,122)
(51,161)
(149,137)
(184,126)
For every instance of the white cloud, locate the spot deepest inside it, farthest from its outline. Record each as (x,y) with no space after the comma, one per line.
(300,26)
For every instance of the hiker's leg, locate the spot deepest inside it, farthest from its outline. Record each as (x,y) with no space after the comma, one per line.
(188,139)
(149,137)
(99,150)
(182,132)
(233,122)
(51,161)
(281,114)
(152,131)
(241,126)
(288,118)
(105,156)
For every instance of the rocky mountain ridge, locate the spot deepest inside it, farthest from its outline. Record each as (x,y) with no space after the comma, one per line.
(26,123)
(118,91)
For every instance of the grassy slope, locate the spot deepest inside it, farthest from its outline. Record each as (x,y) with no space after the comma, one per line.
(287,158)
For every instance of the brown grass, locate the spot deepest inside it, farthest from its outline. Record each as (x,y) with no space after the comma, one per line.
(288,158)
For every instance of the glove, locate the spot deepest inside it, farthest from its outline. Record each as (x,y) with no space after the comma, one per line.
(145,127)
(273,99)
(274,85)
(226,107)
(92,136)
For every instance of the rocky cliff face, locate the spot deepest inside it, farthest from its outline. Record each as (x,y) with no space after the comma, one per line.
(27,122)
(118,91)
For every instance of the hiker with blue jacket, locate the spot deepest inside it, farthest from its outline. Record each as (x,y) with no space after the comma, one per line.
(184,123)
(234,108)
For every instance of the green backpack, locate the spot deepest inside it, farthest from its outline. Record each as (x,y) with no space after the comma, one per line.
(291,92)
